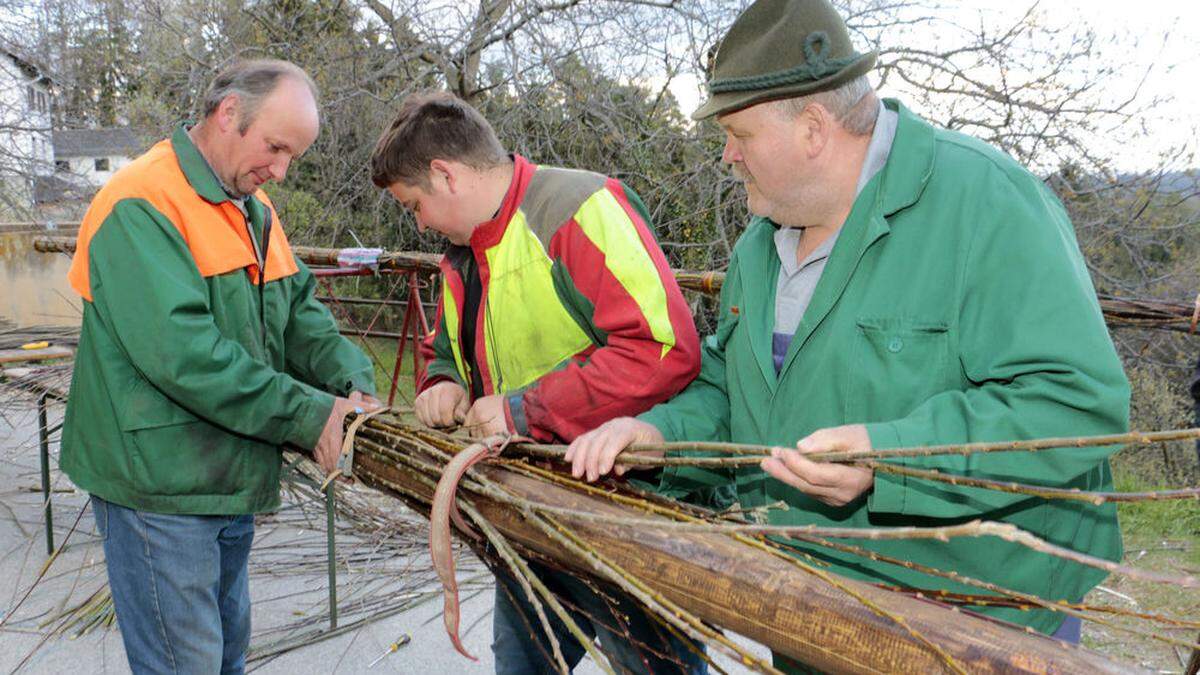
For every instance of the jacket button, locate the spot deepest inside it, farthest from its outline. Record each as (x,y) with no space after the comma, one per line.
(895,344)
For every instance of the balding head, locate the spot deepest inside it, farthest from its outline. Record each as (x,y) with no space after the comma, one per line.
(252,82)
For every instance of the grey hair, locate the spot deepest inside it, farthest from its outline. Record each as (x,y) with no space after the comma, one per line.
(854,105)
(251,81)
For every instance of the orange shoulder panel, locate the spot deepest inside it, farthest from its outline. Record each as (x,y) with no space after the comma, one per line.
(280,261)
(215,233)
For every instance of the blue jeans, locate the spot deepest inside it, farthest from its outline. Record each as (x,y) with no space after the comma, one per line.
(1070,630)
(180,585)
(632,641)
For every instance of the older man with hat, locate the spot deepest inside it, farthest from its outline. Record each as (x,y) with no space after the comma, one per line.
(898,285)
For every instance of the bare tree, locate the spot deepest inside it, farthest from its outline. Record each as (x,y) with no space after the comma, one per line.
(588,83)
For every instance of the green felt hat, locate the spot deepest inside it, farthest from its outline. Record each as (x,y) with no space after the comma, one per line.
(781,49)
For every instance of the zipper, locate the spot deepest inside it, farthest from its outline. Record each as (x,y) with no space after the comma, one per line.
(497,376)
(262,278)
(485,300)
(261,255)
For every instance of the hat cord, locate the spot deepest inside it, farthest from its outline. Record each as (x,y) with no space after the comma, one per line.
(817,66)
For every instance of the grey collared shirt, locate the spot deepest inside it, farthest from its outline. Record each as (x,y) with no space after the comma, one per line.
(798,279)
(240,203)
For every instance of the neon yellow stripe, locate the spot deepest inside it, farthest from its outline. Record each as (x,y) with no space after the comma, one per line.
(527,330)
(607,225)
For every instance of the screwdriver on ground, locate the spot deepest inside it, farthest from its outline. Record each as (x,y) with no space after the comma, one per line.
(400,642)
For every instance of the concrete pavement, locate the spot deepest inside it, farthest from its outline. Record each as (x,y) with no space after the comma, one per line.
(288,585)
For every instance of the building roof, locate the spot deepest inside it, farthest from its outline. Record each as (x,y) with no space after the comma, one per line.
(52,189)
(27,66)
(118,141)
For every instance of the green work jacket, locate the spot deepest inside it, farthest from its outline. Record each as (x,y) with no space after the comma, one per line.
(189,375)
(955,307)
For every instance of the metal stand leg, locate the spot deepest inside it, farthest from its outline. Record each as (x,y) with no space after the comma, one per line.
(414,325)
(332,556)
(44,442)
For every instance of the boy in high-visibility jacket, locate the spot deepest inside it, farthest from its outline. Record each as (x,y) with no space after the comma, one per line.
(558,312)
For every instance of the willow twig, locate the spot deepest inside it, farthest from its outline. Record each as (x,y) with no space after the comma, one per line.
(1035,445)
(832,580)
(974,528)
(42,573)
(979,599)
(1044,492)
(527,578)
(421,452)
(753,454)
(681,618)
(1054,606)
(946,658)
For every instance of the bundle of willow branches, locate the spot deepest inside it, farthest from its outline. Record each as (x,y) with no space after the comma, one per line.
(695,569)
(13,336)
(20,384)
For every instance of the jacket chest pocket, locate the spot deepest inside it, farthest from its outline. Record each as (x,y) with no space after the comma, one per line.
(898,363)
(145,407)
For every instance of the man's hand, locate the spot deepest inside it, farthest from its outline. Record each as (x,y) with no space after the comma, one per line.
(365,401)
(486,417)
(329,445)
(442,405)
(834,484)
(595,452)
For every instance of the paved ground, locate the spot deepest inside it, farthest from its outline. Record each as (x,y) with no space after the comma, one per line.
(288,585)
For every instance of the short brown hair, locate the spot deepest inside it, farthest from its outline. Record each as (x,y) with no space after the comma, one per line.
(429,126)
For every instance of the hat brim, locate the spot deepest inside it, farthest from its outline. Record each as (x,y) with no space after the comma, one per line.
(722,104)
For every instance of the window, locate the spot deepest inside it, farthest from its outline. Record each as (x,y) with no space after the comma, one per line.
(101,164)
(39,101)
(62,165)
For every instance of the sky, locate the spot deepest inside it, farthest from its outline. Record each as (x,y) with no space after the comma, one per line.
(1174,65)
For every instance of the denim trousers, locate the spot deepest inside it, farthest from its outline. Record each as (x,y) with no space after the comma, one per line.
(632,641)
(180,586)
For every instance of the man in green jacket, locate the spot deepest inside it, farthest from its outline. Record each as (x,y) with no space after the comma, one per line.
(899,285)
(203,351)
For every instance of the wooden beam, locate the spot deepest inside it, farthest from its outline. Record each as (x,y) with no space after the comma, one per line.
(44,354)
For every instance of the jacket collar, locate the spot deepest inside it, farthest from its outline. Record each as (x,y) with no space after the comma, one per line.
(195,168)
(910,162)
(897,186)
(489,233)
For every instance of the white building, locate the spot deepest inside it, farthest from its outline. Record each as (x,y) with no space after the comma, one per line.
(89,157)
(26,150)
